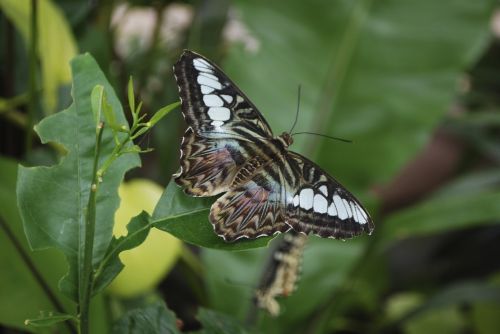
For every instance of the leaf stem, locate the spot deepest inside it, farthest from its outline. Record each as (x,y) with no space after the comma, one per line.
(32,75)
(86,276)
(115,154)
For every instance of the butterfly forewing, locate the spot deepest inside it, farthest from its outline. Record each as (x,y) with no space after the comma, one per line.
(229,147)
(222,125)
(213,105)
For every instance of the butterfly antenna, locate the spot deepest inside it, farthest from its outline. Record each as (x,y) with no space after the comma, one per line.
(297,113)
(321,135)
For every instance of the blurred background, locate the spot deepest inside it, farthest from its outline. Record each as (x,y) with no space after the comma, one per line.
(414,84)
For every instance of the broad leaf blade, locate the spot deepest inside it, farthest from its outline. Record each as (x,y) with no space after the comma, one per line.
(152,319)
(380,73)
(217,323)
(18,284)
(186,218)
(443,214)
(52,200)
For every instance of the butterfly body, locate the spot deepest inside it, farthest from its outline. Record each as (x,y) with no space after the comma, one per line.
(229,148)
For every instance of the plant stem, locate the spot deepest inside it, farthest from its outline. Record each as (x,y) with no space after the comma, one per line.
(86,276)
(32,76)
(115,154)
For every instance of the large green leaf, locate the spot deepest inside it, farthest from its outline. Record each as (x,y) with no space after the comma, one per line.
(382,73)
(217,323)
(53,200)
(187,218)
(442,214)
(28,284)
(152,319)
(23,293)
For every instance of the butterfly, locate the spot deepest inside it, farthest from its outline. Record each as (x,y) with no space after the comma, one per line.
(228,148)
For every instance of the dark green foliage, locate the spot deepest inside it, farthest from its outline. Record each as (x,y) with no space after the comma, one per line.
(393,76)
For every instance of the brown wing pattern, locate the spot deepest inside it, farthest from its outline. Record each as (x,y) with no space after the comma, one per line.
(250,210)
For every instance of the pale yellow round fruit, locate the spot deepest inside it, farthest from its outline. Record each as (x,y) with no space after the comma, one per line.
(147,264)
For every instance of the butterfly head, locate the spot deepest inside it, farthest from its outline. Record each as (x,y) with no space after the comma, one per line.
(286,139)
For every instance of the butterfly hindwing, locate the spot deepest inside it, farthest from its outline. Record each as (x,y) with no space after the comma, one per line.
(322,206)
(250,210)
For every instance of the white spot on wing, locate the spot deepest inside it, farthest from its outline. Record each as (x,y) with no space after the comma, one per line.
(217,123)
(332,211)
(354,212)
(210,76)
(206,89)
(219,114)
(212,100)
(364,214)
(228,98)
(341,210)
(320,204)
(306,198)
(199,62)
(361,215)
(203,69)
(203,80)
(347,207)
(324,190)
(296,200)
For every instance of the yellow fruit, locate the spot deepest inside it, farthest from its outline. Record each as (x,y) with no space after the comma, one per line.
(147,264)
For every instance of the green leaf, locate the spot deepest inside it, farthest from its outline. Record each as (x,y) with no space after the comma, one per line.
(370,71)
(56,44)
(48,319)
(153,319)
(471,183)
(96,100)
(217,323)
(162,113)
(101,106)
(110,267)
(186,218)
(23,294)
(52,200)
(131,96)
(442,214)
